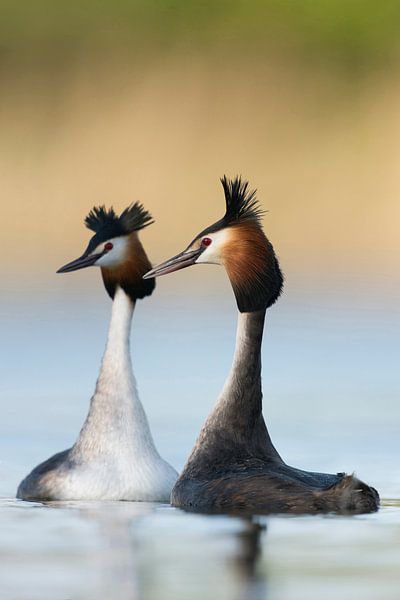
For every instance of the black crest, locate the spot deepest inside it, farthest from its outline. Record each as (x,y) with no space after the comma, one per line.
(241,205)
(107,224)
(133,218)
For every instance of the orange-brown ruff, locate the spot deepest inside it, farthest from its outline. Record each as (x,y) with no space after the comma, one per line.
(252,267)
(234,466)
(129,274)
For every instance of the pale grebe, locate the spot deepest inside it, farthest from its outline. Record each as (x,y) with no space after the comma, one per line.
(114,457)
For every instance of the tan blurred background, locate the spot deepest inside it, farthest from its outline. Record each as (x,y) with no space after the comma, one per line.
(114,102)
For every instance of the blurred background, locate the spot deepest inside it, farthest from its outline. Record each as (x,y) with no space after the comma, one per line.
(112,102)
(115,102)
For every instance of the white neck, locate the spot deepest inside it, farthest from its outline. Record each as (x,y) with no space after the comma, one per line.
(116,364)
(116,421)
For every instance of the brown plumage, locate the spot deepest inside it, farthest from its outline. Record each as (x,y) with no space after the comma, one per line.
(272,492)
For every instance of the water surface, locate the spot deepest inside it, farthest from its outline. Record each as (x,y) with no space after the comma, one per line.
(331,401)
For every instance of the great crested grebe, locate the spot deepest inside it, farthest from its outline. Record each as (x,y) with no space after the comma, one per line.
(114,457)
(234,465)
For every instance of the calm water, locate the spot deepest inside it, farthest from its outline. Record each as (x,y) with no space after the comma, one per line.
(332,403)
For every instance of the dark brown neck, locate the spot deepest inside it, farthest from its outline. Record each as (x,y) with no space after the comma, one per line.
(236,430)
(240,403)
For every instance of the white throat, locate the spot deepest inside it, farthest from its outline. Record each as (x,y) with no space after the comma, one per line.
(116,416)
(116,364)
(115,447)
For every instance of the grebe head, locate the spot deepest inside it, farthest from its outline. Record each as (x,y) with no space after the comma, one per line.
(237,242)
(117,250)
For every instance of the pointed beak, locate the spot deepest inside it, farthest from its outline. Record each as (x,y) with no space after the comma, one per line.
(80,263)
(180,261)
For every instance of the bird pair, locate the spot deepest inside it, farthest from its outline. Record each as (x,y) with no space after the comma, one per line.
(233,467)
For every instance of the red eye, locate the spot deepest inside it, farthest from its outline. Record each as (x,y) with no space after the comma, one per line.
(108,246)
(206,241)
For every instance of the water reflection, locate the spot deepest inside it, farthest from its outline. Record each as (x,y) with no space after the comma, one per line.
(116,556)
(135,551)
(149,551)
(153,551)
(252,583)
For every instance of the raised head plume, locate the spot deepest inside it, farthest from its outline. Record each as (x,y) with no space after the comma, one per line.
(241,205)
(106,224)
(133,218)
